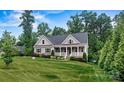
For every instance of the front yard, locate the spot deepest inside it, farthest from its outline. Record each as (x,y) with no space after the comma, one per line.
(25,69)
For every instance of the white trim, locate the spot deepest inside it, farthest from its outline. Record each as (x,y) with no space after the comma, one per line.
(68,37)
(40,40)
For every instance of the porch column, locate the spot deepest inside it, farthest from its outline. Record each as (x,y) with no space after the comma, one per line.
(60,51)
(71,52)
(66,51)
(77,51)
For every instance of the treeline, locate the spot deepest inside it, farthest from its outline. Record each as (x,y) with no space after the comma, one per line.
(112,54)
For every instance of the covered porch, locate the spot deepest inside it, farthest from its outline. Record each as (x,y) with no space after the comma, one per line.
(74,51)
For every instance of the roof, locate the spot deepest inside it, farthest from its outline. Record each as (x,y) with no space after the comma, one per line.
(82,37)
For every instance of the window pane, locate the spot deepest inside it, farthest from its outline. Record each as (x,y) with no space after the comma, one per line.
(42,41)
(47,50)
(38,50)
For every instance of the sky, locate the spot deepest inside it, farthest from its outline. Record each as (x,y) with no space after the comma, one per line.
(9,19)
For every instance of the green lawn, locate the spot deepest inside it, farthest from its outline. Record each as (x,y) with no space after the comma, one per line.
(42,69)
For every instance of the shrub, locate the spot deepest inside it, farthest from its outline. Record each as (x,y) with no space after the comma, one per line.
(76,59)
(8,60)
(45,56)
(35,55)
(84,57)
(52,53)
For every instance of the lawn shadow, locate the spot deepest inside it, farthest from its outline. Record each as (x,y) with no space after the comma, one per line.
(52,77)
(9,68)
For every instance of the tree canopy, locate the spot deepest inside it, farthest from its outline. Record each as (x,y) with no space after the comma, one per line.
(27,20)
(58,31)
(43,29)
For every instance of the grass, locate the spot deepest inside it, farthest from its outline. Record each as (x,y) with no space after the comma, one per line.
(25,69)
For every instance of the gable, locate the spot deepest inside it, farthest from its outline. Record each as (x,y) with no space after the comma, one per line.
(70,40)
(43,41)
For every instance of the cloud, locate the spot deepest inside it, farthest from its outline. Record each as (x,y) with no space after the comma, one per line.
(13,19)
(39,18)
(35,25)
(54,11)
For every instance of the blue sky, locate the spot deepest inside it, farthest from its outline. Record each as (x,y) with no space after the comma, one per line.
(9,19)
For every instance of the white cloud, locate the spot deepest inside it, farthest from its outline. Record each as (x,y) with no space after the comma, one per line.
(18,11)
(55,11)
(38,16)
(35,26)
(13,20)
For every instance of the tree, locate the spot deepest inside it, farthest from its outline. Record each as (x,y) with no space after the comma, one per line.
(43,29)
(112,59)
(26,24)
(104,27)
(95,46)
(75,24)
(58,31)
(112,49)
(21,40)
(103,53)
(8,46)
(118,63)
(34,38)
(89,21)
(99,30)
(0,43)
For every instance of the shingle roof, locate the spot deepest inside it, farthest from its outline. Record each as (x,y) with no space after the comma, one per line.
(82,37)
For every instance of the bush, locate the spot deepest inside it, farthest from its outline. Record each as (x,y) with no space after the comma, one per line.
(52,53)
(45,56)
(35,55)
(76,59)
(8,60)
(84,57)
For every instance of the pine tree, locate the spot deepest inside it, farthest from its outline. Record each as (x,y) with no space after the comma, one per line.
(113,47)
(118,63)
(103,54)
(27,21)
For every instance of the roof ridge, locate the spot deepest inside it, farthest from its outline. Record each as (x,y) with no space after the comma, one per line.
(66,34)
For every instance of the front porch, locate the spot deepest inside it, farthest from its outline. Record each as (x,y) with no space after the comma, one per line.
(69,51)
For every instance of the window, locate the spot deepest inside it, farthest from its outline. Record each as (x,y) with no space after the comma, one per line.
(38,50)
(47,50)
(42,41)
(70,41)
(57,50)
(63,49)
(74,49)
(81,49)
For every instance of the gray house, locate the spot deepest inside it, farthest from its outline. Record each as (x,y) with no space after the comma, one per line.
(63,45)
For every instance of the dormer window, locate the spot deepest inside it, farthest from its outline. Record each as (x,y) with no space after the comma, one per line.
(70,41)
(42,41)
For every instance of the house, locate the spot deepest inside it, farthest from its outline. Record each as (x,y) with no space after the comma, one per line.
(63,45)
(20,49)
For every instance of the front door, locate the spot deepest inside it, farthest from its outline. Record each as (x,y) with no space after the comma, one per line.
(69,51)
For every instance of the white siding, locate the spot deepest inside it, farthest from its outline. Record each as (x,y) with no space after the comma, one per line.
(46,41)
(70,37)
